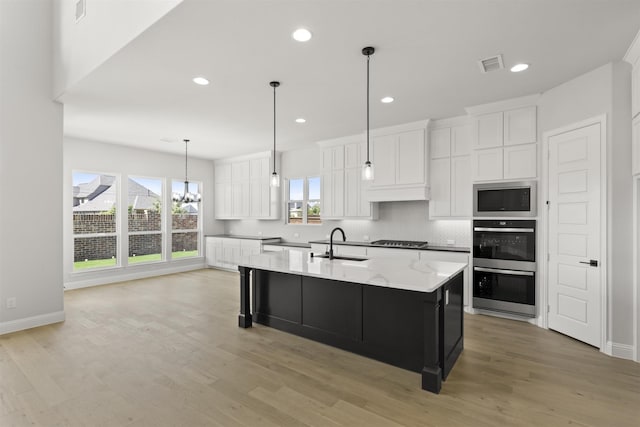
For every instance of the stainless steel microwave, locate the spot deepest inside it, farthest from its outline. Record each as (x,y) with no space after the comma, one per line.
(505,199)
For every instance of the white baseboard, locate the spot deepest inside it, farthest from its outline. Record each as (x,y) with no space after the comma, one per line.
(622,351)
(31,322)
(123,277)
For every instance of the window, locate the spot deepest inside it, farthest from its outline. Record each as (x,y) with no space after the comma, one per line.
(185,223)
(144,219)
(303,201)
(95,224)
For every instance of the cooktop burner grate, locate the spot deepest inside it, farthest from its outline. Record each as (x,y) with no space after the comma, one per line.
(400,243)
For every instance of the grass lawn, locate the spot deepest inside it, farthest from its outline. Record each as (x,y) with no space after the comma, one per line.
(111,262)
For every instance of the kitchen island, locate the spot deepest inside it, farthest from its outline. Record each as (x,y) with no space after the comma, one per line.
(407,313)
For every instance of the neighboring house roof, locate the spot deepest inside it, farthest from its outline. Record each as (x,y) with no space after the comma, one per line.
(101,195)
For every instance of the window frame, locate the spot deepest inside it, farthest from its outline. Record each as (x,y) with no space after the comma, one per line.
(117,234)
(304,202)
(163,227)
(171,231)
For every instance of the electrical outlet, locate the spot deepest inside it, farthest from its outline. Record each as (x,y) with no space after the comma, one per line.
(296,234)
(365,238)
(451,242)
(12,302)
(259,233)
(326,236)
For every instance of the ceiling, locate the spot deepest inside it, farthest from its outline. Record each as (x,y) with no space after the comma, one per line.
(426,58)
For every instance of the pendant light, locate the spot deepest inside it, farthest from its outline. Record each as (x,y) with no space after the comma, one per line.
(275,179)
(187,196)
(367,168)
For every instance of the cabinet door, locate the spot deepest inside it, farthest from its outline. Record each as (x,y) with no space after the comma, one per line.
(461,194)
(489,130)
(461,140)
(440,143)
(255,198)
(240,171)
(440,201)
(487,164)
(351,191)
(384,160)
(327,195)
(520,126)
(352,155)
(259,168)
(337,190)
(333,157)
(222,199)
(223,172)
(635,148)
(520,161)
(410,164)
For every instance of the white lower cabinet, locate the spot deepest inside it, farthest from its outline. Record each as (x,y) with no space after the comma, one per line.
(451,256)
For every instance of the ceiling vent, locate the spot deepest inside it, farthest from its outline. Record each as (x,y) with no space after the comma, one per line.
(81,9)
(492,63)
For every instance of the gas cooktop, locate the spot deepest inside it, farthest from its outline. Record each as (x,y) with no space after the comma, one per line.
(400,243)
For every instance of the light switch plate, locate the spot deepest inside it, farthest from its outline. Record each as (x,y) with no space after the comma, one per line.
(451,242)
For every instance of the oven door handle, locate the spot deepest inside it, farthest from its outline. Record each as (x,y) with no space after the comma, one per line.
(500,271)
(504,230)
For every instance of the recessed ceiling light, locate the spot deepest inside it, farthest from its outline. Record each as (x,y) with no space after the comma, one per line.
(301,35)
(519,67)
(301,120)
(387,100)
(200,81)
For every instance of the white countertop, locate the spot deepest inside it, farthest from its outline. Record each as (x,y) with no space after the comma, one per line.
(398,273)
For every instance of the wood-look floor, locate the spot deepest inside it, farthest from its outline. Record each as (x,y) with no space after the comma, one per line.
(167,352)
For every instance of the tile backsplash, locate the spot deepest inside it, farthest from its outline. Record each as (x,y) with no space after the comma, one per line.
(397,220)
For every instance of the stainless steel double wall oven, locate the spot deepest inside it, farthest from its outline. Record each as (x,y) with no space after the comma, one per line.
(504,266)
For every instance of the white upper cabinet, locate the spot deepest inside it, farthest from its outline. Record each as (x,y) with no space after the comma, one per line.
(399,157)
(505,140)
(440,143)
(487,164)
(461,186)
(384,150)
(242,189)
(450,168)
(440,201)
(520,161)
(520,126)
(343,191)
(461,140)
(490,130)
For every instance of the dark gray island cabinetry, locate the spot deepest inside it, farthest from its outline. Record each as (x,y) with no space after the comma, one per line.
(415,324)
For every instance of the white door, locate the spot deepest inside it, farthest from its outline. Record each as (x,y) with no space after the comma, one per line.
(574,234)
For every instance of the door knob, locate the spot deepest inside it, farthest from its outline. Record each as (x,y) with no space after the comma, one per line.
(592,262)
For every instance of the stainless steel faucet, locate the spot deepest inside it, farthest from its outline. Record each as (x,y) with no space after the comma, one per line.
(344,239)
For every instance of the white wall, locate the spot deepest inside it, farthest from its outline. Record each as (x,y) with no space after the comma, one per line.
(109,25)
(126,161)
(606,90)
(30,169)
(397,220)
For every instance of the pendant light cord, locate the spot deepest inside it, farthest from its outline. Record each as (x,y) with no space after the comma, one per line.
(368,58)
(186,141)
(274,129)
